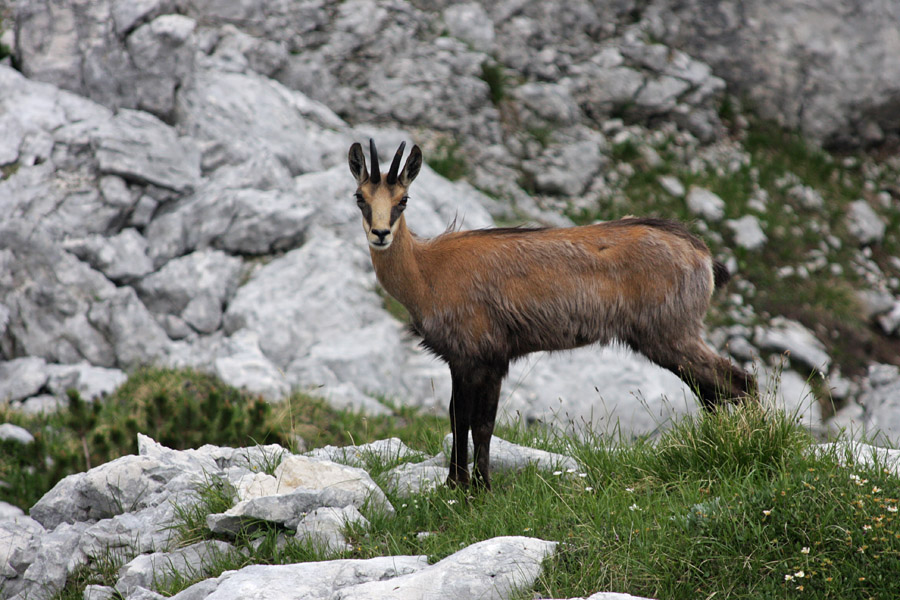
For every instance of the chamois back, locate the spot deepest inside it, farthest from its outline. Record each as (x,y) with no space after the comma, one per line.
(505,293)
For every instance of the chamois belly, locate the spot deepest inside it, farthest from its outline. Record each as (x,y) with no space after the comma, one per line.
(499,335)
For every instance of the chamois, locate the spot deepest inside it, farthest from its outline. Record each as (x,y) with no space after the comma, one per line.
(479,299)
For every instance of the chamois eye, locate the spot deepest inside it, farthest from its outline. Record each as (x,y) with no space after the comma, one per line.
(360,201)
(403,201)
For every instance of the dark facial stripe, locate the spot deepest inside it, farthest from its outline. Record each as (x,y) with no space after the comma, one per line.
(396,210)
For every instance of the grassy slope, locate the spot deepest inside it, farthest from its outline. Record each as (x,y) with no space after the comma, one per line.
(731,504)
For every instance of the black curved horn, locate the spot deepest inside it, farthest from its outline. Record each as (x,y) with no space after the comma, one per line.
(395,165)
(375,175)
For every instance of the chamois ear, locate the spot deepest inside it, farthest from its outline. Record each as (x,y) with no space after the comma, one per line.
(411,169)
(358,163)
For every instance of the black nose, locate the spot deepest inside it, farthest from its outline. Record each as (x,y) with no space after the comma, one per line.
(381,233)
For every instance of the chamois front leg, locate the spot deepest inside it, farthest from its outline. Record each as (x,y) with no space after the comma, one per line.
(460,416)
(484,414)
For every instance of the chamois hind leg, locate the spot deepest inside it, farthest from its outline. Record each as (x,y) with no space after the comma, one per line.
(714,378)
(484,414)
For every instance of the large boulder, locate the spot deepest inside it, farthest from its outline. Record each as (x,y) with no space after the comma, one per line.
(828,68)
(63,311)
(123,55)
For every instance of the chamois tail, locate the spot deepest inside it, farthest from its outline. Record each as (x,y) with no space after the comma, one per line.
(721,276)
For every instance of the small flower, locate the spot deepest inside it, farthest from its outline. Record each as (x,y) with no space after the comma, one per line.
(589,489)
(570,470)
(800,574)
(788,577)
(867,528)
(876,489)
(451,501)
(557,472)
(804,550)
(892,509)
(629,490)
(634,507)
(582,475)
(526,530)
(799,588)
(766,513)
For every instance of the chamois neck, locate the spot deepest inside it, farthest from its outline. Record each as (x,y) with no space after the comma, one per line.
(397,268)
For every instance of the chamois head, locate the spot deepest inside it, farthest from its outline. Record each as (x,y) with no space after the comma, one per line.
(382,199)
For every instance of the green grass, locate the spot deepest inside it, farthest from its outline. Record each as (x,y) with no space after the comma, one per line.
(497,79)
(728,505)
(448,161)
(734,504)
(180,409)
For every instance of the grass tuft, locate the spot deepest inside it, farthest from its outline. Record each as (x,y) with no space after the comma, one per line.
(750,441)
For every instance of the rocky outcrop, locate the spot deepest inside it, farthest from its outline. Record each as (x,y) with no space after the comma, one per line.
(127,506)
(827,69)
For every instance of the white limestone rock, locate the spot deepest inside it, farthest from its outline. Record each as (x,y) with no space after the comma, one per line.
(469,22)
(384,451)
(506,456)
(89,381)
(10,512)
(22,377)
(206,276)
(747,232)
(302,580)
(128,483)
(771,53)
(163,54)
(791,337)
(864,223)
(159,568)
(14,433)
(300,485)
(261,116)
(672,185)
(411,479)
(494,568)
(324,527)
(241,363)
(705,203)
(229,213)
(121,257)
(137,146)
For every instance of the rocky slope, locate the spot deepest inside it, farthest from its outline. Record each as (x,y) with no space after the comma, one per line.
(124,507)
(174,188)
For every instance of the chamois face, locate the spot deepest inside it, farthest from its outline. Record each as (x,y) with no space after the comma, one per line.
(382,199)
